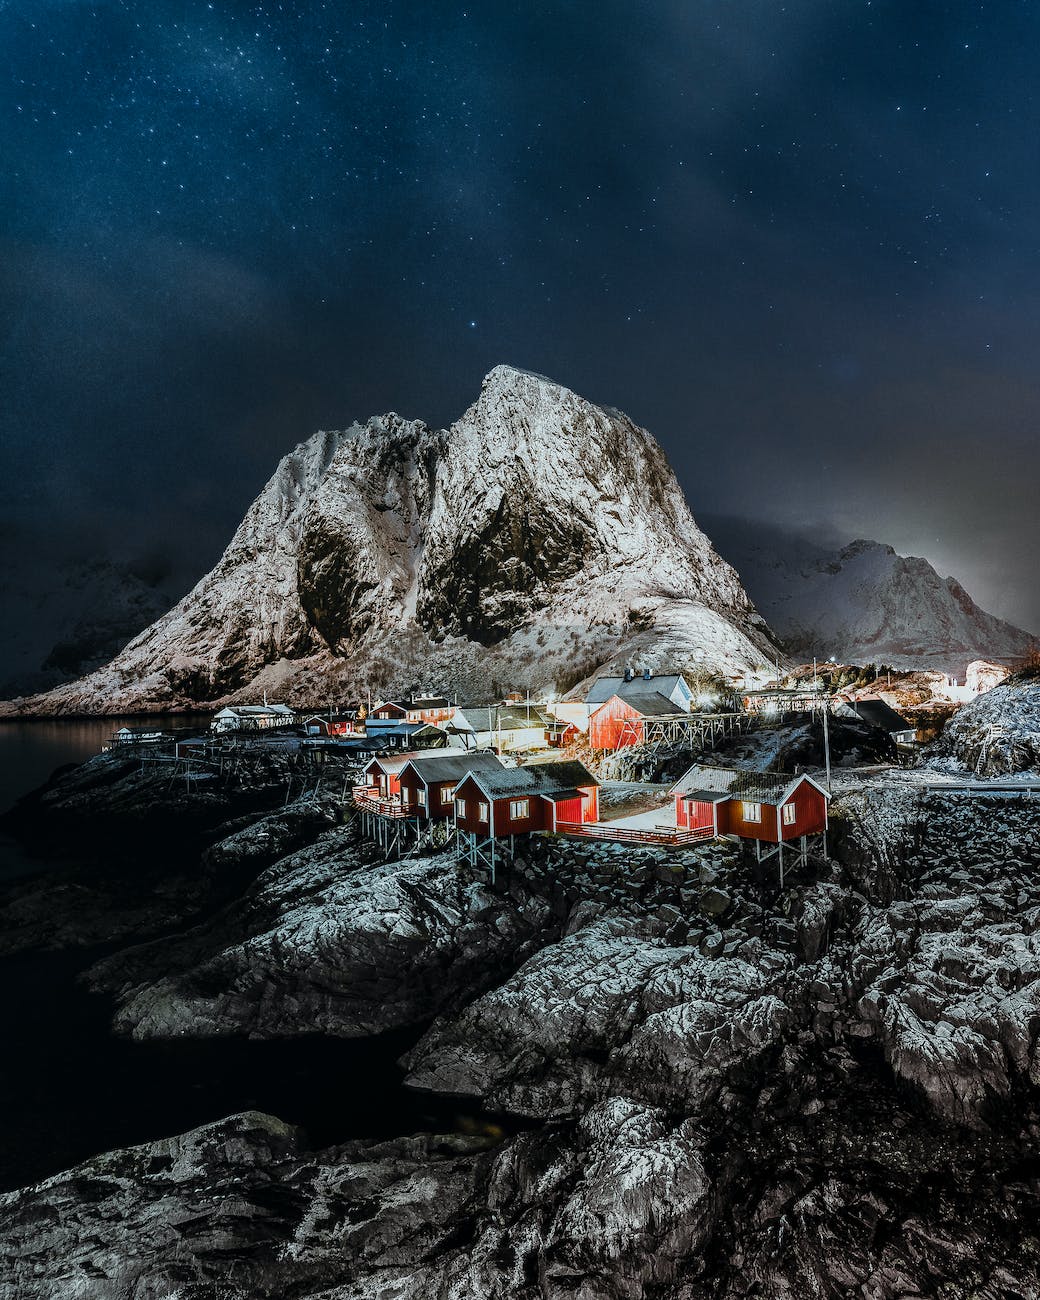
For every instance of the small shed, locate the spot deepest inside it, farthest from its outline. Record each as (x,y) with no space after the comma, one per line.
(876,713)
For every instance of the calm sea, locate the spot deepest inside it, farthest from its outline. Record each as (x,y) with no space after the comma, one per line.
(31,751)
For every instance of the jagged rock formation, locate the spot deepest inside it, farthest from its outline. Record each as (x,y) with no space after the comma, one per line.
(863,603)
(723,1091)
(998,734)
(535,540)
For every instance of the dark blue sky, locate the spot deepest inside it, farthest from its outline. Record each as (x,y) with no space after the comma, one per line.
(799,242)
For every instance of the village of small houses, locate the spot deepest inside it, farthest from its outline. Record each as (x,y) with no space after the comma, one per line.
(661,773)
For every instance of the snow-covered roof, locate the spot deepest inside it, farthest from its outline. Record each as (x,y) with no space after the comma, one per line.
(648,703)
(535,779)
(392,764)
(604,687)
(706,783)
(501,717)
(453,767)
(256,711)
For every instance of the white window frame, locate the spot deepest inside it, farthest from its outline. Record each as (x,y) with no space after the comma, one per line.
(519,809)
(421,797)
(460,807)
(447,794)
(483,811)
(750,812)
(790,814)
(406,794)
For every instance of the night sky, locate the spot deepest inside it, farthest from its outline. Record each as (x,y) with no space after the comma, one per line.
(799,242)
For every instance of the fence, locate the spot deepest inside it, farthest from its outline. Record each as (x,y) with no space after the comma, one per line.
(667,835)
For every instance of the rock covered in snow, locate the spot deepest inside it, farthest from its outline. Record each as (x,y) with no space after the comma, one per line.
(539,529)
(862,602)
(326,940)
(998,734)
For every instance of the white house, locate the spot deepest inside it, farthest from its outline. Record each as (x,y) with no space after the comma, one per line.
(252,717)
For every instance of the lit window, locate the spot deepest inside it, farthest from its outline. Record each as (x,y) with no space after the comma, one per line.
(460,807)
(482,812)
(519,809)
(447,793)
(752,812)
(790,814)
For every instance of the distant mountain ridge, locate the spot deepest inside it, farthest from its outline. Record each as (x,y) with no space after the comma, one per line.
(59,621)
(862,602)
(538,539)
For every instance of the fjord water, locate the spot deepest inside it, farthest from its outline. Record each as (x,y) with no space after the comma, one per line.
(31,750)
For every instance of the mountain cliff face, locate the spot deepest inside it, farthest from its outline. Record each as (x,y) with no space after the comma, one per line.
(535,540)
(863,603)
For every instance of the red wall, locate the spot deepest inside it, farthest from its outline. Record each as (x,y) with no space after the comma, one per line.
(692,815)
(410,785)
(810,820)
(811,809)
(539,818)
(607,725)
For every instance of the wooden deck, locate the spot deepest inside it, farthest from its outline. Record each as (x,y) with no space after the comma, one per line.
(668,836)
(367,798)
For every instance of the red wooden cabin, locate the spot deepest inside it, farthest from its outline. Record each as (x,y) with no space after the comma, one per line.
(389,711)
(384,774)
(768,806)
(617,722)
(516,801)
(427,783)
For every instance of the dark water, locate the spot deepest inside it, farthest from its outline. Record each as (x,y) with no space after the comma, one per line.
(31,750)
(69,1089)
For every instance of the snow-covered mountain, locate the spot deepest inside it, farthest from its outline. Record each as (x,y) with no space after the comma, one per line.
(537,539)
(861,602)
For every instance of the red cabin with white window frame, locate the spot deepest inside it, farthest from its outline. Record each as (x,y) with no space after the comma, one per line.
(427,782)
(517,801)
(769,806)
(384,774)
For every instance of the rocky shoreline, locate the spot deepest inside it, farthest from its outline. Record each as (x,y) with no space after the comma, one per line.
(692,1083)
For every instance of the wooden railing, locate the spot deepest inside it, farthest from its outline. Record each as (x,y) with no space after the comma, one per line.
(368,799)
(671,836)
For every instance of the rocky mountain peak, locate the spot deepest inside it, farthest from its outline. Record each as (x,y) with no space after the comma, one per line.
(538,538)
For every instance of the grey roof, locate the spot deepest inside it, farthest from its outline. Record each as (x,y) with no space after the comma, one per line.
(705,796)
(731,782)
(430,702)
(604,687)
(647,700)
(504,717)
(391,764)
(453,767)
(879,714)
(535,779)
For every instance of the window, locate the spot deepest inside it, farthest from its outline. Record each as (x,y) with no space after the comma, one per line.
(421,797)
(460,807)
(406,794)
(447,793)
(482,812)
(790,814)
(519,809)
(751,812)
